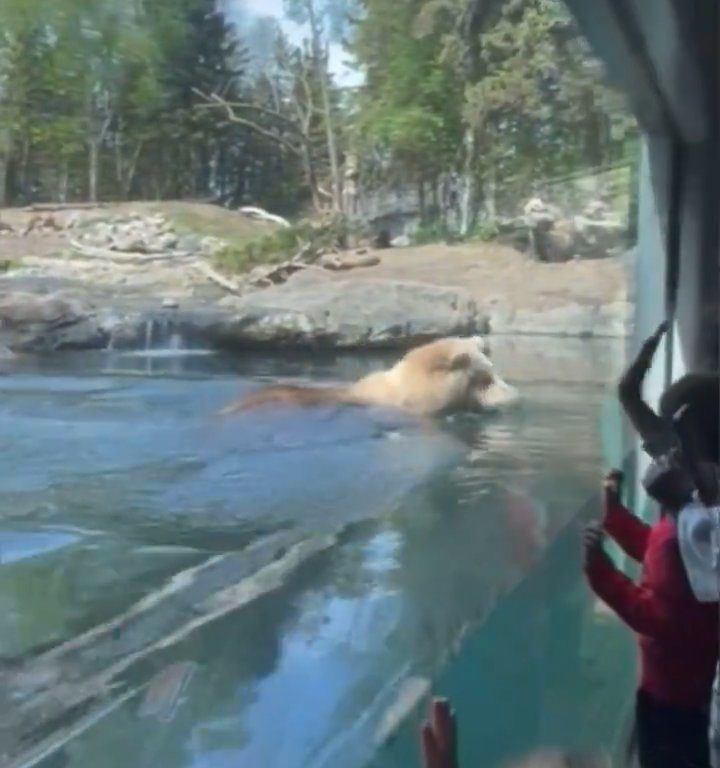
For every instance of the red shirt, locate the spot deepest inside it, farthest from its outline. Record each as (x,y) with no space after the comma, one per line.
(678,635)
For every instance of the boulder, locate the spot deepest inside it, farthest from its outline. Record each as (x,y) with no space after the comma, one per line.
(135,234)
(574,319)
(46,322)
(348,314)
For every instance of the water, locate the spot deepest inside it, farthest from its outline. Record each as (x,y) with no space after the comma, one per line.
(326,563)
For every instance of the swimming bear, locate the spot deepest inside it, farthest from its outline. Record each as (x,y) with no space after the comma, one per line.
(445,376)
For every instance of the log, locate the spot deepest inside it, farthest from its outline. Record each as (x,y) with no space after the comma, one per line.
(352,261)
(215,277)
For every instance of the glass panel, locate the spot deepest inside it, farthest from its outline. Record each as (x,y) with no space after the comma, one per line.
(271,204)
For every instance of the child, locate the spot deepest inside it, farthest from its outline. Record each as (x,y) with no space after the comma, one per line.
(677,634)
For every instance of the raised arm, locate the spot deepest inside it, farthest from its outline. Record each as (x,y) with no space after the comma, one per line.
(650,612)
(653,430)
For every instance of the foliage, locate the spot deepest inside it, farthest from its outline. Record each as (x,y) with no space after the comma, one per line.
(506,105)
(487,229)
(409,112)
(433,232)
(285,243)
(103,100)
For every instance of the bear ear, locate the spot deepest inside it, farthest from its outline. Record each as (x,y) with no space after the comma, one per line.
(461,362)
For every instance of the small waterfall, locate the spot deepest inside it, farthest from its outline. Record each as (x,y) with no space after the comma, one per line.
(159,343)
(176,342)
(149,326)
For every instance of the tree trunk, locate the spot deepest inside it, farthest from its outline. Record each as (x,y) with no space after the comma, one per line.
(489,202)
(24,157)
(321,61)
(332,146)
(63,181)
(468,206)
(93,157)
(130,172)
(4,159)
(421,200)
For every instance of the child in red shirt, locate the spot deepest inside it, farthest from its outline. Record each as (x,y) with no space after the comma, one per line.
(677,634)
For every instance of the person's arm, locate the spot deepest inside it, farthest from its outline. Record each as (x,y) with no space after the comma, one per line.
(652,429)
(640,607)
(630,533)
(438,737)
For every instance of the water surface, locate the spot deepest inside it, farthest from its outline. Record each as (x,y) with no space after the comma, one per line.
(322,559)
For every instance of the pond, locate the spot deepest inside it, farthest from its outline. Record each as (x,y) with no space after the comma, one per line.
(278,589)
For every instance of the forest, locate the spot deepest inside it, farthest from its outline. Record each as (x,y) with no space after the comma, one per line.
(180,99)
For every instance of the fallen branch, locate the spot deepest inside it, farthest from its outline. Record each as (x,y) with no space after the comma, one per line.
(299,257)
(339,263)
(215,277)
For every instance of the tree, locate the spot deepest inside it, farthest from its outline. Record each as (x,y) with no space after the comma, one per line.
(506,96)
(325,21)
(409,112)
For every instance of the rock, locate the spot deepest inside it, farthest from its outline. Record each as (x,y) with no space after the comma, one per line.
(401,241)
(44,322)
(189,243)
(348,314)
(579,320)
(209,246)
(129,244)
(136,234)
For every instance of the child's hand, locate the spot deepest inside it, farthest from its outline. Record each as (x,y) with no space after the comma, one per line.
(650,345)
(612,488)
(593,538)
(439,737)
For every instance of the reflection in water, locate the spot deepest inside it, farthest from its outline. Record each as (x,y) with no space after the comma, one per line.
(120,482)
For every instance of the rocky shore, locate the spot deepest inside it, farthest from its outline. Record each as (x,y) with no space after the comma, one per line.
(69,285)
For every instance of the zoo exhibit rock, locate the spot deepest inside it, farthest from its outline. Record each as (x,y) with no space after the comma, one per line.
(146,235)
(123,271)
(45,322)
(317,313)
(350,313)
(576,320)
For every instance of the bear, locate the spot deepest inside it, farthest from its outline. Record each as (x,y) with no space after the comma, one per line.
(445,376)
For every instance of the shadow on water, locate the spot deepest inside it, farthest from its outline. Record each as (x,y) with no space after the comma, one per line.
(124,479)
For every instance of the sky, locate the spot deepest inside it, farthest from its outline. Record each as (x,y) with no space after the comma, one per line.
(238,9)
